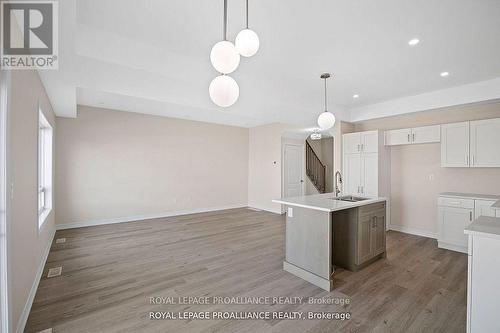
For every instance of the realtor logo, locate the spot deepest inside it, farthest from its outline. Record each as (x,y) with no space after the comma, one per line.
(29,35)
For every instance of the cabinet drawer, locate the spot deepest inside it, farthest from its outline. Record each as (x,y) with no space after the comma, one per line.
(371,209)
(456,202)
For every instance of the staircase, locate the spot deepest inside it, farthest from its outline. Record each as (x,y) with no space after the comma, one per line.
(315,170)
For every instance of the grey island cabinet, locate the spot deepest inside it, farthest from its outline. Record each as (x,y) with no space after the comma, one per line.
(323,231)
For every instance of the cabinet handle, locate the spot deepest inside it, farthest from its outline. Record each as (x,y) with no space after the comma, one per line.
(473,160)
(408,137)
(362,147)
(362,189)
(413,137)
(358,189)
(470,216)
(358,147)
(467,159)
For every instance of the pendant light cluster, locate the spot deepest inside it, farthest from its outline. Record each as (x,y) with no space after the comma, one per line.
(326,119)
(225,57)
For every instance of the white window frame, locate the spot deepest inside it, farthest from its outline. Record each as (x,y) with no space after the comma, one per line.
(45,179)
(4,232)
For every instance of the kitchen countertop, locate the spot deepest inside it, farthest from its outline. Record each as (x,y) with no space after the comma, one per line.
(484,226)
(496,205)
(324,202)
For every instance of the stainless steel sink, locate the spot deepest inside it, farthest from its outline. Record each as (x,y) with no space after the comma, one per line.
(349,198)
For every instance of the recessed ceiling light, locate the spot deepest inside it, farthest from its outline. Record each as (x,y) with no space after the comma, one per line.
(444,74)
(355,96)
(414,41)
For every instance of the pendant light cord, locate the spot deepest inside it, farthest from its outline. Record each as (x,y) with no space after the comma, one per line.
(247,14)
(326,109)
(224,32)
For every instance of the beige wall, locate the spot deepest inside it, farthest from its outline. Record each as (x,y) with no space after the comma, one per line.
(119,165)
(27,244)
(264,176)
(416,175)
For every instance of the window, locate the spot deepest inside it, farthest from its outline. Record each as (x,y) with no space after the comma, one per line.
(44,168)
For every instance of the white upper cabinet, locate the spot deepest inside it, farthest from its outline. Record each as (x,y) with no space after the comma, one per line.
(369,141)
(485,143)
(398,137)
(352,143)
(455,145)
(352,174)
(366,142)
(369,174)
(406,136)
(426,134)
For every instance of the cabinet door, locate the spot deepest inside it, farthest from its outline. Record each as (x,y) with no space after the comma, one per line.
(352,174)
(398,137)
(426,134)
(455,145)
(379,234)
(369,142)
(365,242)
(483,208)
(369,174)
(484,143)
(351,143)
(452,224)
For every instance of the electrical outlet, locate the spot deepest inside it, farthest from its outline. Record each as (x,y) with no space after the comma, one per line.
(431,177)
(290,212)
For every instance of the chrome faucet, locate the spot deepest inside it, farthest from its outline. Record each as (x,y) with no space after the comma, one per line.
(337,190)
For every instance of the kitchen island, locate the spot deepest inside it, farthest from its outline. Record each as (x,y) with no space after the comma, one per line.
(312,245)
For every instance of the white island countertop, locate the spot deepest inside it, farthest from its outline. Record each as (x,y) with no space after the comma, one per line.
(325,202)
(484,226)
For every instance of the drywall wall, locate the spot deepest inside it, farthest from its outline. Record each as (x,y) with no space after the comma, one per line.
(264,168)
(416,174)
(115,165)
(26,243)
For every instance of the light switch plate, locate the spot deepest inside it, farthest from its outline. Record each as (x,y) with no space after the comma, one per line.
(290,212)
(53,272)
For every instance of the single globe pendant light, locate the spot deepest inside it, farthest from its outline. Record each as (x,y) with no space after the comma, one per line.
(247,41)
(224,91)
(326,119)
(224,56)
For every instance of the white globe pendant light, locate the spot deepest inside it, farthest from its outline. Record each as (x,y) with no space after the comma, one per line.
(326,119)
(224,91)
(247,42)
(224,56)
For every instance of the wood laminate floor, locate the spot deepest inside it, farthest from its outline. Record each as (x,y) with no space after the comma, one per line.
(109,273)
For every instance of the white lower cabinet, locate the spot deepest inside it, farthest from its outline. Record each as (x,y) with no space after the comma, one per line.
(452,222)
(455,214)
(483,208)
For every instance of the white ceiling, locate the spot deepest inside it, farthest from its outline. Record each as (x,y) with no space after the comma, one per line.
(153,57)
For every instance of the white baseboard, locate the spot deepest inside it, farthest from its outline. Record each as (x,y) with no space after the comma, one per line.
(21,323)
(90,223)
(452,247)
(413,231)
